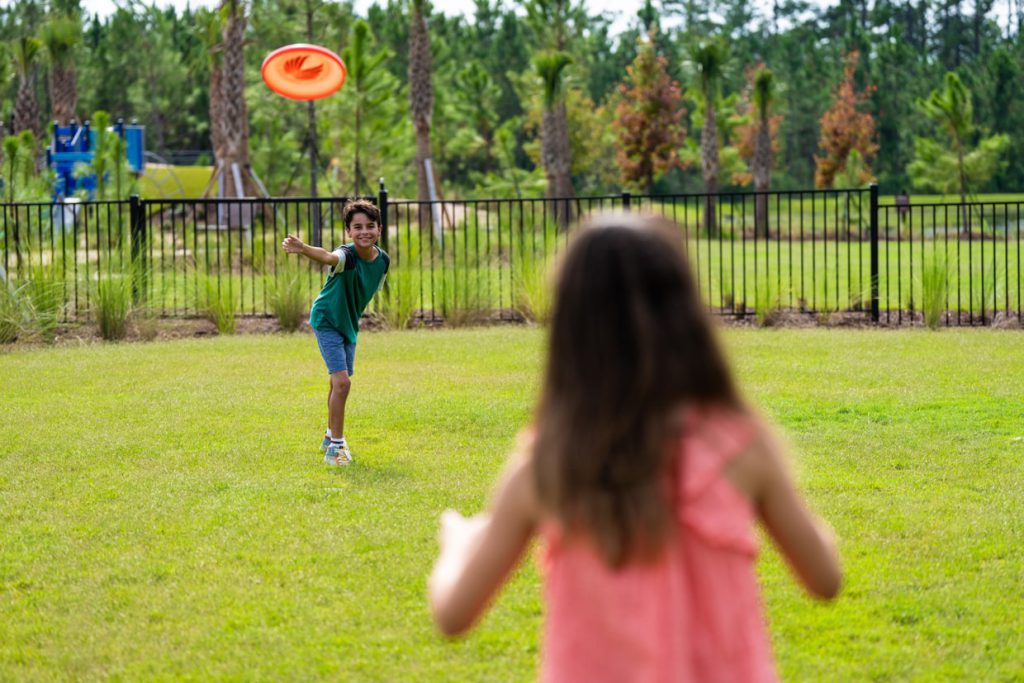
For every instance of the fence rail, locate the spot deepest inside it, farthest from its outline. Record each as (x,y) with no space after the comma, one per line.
(822,252)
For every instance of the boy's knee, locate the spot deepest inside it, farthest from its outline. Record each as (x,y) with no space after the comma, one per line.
(340,381)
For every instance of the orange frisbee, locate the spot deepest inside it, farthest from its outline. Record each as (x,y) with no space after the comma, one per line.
(303,72)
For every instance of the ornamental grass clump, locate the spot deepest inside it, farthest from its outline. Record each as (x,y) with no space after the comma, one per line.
(287,298)
(934,290)
(112,304)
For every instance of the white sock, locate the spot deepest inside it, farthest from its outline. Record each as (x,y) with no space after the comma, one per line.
(341,440)
(328,432)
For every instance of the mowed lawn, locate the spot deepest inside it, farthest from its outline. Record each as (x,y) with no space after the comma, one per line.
(164,513)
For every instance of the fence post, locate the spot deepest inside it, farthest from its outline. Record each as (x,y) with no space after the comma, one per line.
(626,200)
(139,268)
(874,252)
(382,206)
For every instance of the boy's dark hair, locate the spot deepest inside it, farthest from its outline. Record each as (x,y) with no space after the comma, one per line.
(630,345)
(354,206)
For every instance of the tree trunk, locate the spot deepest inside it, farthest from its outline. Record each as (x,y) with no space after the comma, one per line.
(762,177)
(557,159)
(421,105)
(235,113)
(357,170)
(422,184)
(709,167)
(216,113)
(63,92)
(26,109)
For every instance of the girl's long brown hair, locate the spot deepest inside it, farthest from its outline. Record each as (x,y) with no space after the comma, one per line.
(630,344)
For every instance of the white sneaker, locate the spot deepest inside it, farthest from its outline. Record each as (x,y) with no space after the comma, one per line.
(338,453)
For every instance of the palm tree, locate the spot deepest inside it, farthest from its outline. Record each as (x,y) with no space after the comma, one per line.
(951,108)
(60,36)
(421,101)
(26,109)
(709,57)
(212,36)
(362,71)
(763,96)
(235,114)
(555,154)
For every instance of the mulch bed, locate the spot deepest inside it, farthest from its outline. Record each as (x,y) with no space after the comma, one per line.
(77,334)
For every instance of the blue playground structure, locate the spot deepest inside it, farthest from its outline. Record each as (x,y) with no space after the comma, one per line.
(74,144)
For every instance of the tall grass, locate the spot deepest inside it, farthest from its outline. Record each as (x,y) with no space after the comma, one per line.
(45,301)
(533,294)
(215,301)
(287,298)
(934,289)
(461,292)
(113,303)
(398,300)
(767,304)
(12,312)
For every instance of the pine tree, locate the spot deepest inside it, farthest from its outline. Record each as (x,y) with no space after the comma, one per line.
(648,128)
(844,128)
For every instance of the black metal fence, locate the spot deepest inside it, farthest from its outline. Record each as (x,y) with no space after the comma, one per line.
(821,252)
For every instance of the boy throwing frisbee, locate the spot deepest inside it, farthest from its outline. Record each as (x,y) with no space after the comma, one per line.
(357,271)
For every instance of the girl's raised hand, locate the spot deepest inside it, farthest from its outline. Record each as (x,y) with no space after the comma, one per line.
(292,244)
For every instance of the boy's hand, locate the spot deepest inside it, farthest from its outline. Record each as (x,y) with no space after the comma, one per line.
(293,245)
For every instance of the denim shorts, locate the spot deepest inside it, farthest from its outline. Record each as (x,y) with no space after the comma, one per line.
(338,353)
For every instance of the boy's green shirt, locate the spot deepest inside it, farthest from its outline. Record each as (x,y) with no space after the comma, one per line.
(349,289)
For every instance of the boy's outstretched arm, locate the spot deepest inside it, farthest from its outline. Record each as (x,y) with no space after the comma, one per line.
(477,554)
(293,245)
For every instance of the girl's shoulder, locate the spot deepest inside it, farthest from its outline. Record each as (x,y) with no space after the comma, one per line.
(722,441)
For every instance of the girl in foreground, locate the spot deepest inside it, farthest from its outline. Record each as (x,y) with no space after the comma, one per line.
(643,474)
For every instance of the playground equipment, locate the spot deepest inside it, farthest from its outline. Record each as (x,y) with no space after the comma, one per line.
(76,144)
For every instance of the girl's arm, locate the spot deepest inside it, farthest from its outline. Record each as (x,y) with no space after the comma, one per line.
(805,540)
(293,245)
(477,554)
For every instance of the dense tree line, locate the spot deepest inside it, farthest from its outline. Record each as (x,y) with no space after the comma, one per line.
(540,94)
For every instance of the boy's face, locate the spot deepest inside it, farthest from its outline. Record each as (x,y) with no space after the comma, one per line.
(363,230)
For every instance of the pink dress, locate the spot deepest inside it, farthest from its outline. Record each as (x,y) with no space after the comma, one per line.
(693,615)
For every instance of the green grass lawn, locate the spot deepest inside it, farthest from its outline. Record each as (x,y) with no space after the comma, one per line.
(174,182)
(164,513)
